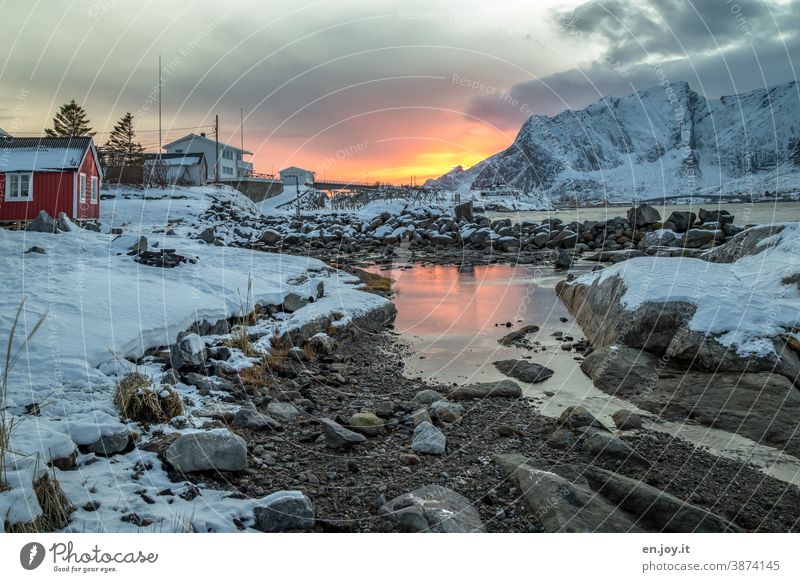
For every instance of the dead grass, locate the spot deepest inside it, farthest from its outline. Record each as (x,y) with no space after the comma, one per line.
(255,376)
(276,360)
(310,352)
(139,400)
(240,339)
(56,508)
(373,283)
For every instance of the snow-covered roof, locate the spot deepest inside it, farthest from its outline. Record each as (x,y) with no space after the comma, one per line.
(194,137)
(35,154)
(294,169)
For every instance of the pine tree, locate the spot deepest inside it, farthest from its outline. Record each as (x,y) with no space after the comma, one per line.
(122,147)
(70,121)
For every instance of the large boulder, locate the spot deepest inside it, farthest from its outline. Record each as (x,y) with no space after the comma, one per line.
(211,450)
(42,223)
(188,352)
(763,407)
(284,511)
(432,509)
(747,243)
(582,498)
(643,215)
(662,327)
(682,221)
(463,211)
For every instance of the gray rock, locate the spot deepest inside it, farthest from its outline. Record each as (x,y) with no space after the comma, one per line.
(207,235)
(112,443)
(35,249)
(419,416)
(562,439)
(428,439)
(249,417)
(188,352)
(427,396)
(140,246)
(297,354)
(518,335)
(284,511)
(282,410)
(501,389)
(214,450)
(720,216)
(561,259)
(270,236)
(683,221)
(42,223)
(626,420)
(447,411)
(696,237)
(337,436)
(292,302)
(433,509)
(463,211)
(643,215)
(578,417)
(209,383)
(323,344)
(170,377)
(64,224)
(524,370)
(603,444)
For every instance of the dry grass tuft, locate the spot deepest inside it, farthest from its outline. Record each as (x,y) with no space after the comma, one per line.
(275,362)
(240,339)
(139,400)
(310,352)
(56,508)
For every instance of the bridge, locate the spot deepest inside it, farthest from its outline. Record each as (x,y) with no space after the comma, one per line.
(345,185)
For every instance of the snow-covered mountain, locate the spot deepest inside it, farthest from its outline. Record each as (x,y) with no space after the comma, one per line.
(661,142)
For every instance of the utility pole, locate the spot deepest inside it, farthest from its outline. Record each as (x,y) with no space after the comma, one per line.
(241,127)
(159,104)
(216,148)
(297,195)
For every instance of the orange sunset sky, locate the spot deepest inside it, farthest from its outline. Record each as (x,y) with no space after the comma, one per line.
(383,90)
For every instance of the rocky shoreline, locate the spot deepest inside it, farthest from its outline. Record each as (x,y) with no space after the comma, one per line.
(352,483)
(469,237)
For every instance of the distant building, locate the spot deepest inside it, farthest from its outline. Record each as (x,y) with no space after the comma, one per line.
(231,159)
(292,173)
(176,169)
(54,174)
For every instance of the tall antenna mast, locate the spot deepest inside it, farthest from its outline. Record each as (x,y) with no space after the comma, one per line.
(159,103)
(241,126)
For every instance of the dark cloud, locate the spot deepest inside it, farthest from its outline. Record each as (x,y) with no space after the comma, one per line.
(754,51)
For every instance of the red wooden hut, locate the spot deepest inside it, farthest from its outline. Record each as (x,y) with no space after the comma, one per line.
(54,174)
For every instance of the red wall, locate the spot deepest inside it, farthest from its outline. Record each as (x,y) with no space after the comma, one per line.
(87,210)
(52,191)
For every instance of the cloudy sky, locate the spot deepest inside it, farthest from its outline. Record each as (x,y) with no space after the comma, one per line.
(379,90)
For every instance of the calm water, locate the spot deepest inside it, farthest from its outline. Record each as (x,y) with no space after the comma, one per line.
(761,213)
(453,318)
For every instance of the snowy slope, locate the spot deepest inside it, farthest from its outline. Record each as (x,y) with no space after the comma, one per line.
(100,307)
(663,141)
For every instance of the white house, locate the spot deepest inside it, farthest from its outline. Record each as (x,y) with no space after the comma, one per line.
(177,169)
(231,162)
(292,173)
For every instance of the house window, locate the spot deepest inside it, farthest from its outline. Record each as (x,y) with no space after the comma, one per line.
(227,154)
(82,188)
(94,192)
(19,187)
(178,151)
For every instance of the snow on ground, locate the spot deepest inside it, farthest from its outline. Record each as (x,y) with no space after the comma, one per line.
(745,302)
(101,307)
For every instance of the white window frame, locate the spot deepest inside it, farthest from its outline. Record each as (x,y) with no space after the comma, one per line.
(14,195)
(94,189)
(82,188)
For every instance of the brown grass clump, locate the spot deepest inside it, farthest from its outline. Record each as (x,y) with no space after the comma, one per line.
(240,339)
(310,352)
(56,508)
(139,400)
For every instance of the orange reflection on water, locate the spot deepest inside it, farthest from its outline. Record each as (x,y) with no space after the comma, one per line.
(443,300)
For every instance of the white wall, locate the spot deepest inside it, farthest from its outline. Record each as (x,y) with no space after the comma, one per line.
(227,166)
